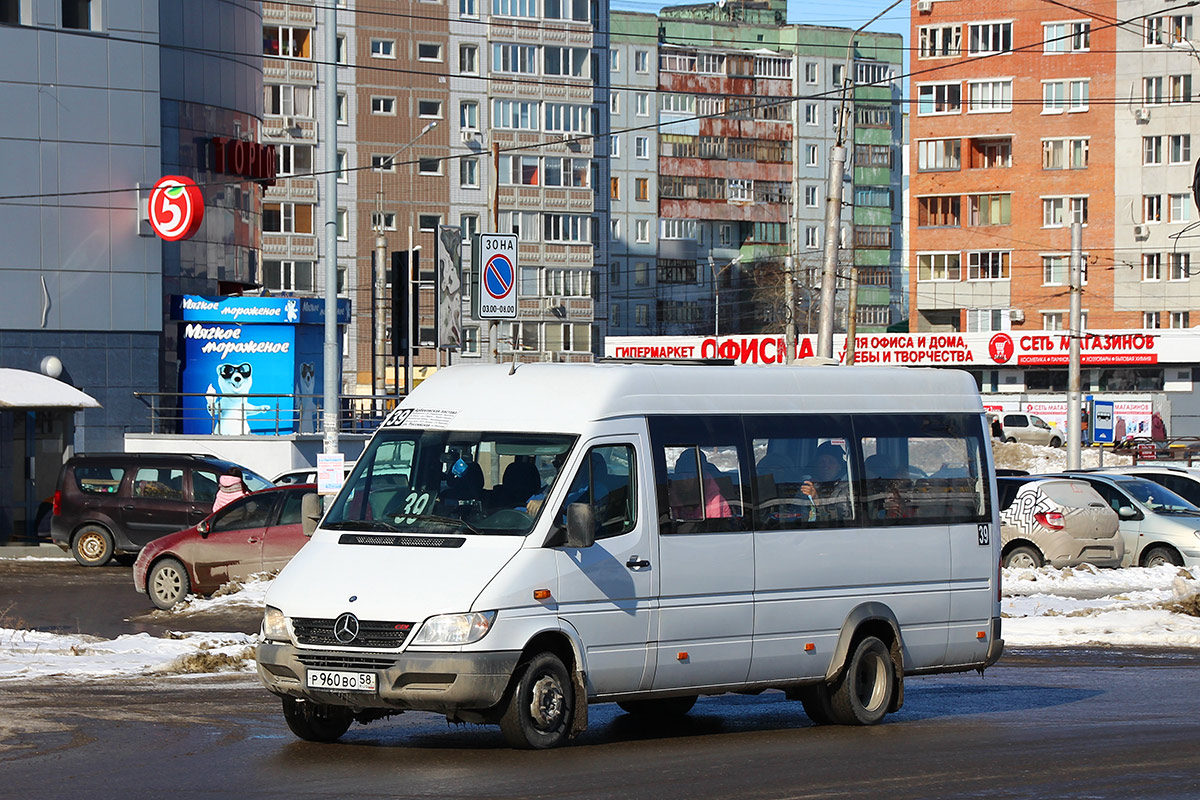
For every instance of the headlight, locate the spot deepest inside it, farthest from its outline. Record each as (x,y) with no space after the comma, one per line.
(274,626)
(455,628)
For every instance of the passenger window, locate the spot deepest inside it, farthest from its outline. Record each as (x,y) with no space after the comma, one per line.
(158,483)
(98,480)
(246,512)
(801,471)
(290,513)
(204,487)
(607,481)
(699,468)
(1015,421)
(927,469)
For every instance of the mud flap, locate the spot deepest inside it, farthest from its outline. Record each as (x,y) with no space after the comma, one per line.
(898,670)
(580,721)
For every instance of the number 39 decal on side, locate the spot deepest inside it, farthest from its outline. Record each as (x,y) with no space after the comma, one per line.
(985,533)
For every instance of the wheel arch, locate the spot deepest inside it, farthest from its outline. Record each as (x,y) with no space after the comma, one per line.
(563,642)
(1148,546)
(870,619)
(1013,544)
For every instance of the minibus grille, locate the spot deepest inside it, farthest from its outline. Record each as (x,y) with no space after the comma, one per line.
(318,631)
(389,540)
(331,661)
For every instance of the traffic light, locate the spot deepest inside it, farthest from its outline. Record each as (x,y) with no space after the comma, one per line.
(401,284)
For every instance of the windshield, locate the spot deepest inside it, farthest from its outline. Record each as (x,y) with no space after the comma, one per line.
(435,481)
(254,481)
(1158,498)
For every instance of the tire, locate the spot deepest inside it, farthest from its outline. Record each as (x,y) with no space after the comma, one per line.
(815,699)
(863,692)
(1010,440)
(1056,442)
(665,708)
(540,705)
(92,546)
(167,583)
(1023,557)
(1160,556)
(316,722)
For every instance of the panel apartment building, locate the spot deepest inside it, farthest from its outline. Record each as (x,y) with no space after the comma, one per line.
(1026,118)
(723,118)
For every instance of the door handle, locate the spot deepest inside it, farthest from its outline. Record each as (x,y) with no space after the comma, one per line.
(637,563)
(127,508)
(253,540)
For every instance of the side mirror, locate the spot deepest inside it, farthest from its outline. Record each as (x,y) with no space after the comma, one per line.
(310,513)
(1127,512)
(203,526)
(581,525)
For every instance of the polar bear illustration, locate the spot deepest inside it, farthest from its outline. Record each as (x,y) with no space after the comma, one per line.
(306,402)
(227,403)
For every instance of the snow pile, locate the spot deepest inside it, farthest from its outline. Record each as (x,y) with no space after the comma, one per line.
(1037,459)
(29,655)
(235,595)
(1077,606)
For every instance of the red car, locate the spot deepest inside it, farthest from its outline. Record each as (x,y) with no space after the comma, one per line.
(255,533)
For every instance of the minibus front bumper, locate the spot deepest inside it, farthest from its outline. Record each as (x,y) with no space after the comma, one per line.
(442,682)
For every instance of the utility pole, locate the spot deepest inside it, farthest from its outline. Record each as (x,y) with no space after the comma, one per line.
(789,298)
(1073,377)
(333,369)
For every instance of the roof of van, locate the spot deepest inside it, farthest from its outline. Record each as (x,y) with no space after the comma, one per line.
(563,397)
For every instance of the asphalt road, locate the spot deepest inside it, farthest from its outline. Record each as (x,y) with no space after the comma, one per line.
(1040,724)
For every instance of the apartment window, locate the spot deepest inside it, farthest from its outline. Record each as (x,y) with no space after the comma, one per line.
(284,41)
(677,229)
(641,315)
(939,154)
(383,48)
(810,155)
(1167,29)
(1054,270)
(468,59)
(383,105)
(518,115)
(429,109)
(1078,92)
(641,189)
(523,223)
(985,96)
(287,100)
(986,38)
(1152,150)
(568,61)
(576,10)
(289,276)
(811,238)
(641,146)
(810,114)
(991,153)
(1067,37)
(468,115)
(810,196)
(938,212)
(343,224)
(989,265)
(343,175)
(342,113)
(566,228)
(469,173)
(429,51)
(643,104)
(287,218)
(738,190)
(1152,208)
(1052,321)
(1180,89)
(1152,266)
(939,98)
(428,222)
(467,8)
(725,235)
(1151,319)
(514,8)
(614,146)
(991,209)
(939,41)
(515,58)
(1060,211)
(429,166)
(614,188)
(939,267)
(1180,208)
(641,61)
(1180,149)
(470,226)
(1152,91)
(295,159)
(385,221)
(1179,266)
(641,273)
(810,73)
(614,60)
(614,103)
(340,56)
(1064,153)
(520,171)
(1179,319)
(383,163)
(1054,97)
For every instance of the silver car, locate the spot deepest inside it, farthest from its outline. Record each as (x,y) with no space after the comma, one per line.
(1056,521)
(1030,429)
(1158,526)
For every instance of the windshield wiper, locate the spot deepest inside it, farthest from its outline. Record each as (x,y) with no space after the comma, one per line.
(446,520)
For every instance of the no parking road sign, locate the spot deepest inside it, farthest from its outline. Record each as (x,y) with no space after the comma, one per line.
(497,281)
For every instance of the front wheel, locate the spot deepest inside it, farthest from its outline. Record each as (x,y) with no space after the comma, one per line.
(93,546)
(863,692)
(316,722)
(659,709)
(540,706)
(1161,556)
(1023,557)
(1056,442)
(168,583)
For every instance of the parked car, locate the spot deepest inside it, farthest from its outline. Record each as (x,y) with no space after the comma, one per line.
(255,533)
(1056,521)
(112,504)
(1030,429)
(1158,526)
(303,475)
(1183,481)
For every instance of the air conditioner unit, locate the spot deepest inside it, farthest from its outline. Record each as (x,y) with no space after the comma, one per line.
(924,6)
(289,123)
(1141,231)
(1016,315)
(1141,114)
(469,136)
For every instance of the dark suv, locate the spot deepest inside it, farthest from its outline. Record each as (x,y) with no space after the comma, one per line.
(112,504)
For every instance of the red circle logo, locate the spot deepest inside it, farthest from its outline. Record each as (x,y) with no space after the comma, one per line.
(176,207)
(1001,348)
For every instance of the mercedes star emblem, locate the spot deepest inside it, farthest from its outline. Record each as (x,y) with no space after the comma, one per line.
(345,628)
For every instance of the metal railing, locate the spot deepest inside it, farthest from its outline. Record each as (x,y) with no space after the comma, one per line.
(213,414)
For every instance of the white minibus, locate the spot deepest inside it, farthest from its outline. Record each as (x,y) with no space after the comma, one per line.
(517,542)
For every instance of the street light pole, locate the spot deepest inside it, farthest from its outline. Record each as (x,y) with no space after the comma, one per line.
(332,367)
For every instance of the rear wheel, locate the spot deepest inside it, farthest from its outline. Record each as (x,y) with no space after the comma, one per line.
(1023,557)
(1010,440)
(1055,442)
(863,692)
(168,583)
(93,546)
(540,705)
(316,722)
(659,709)
(1161,556)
